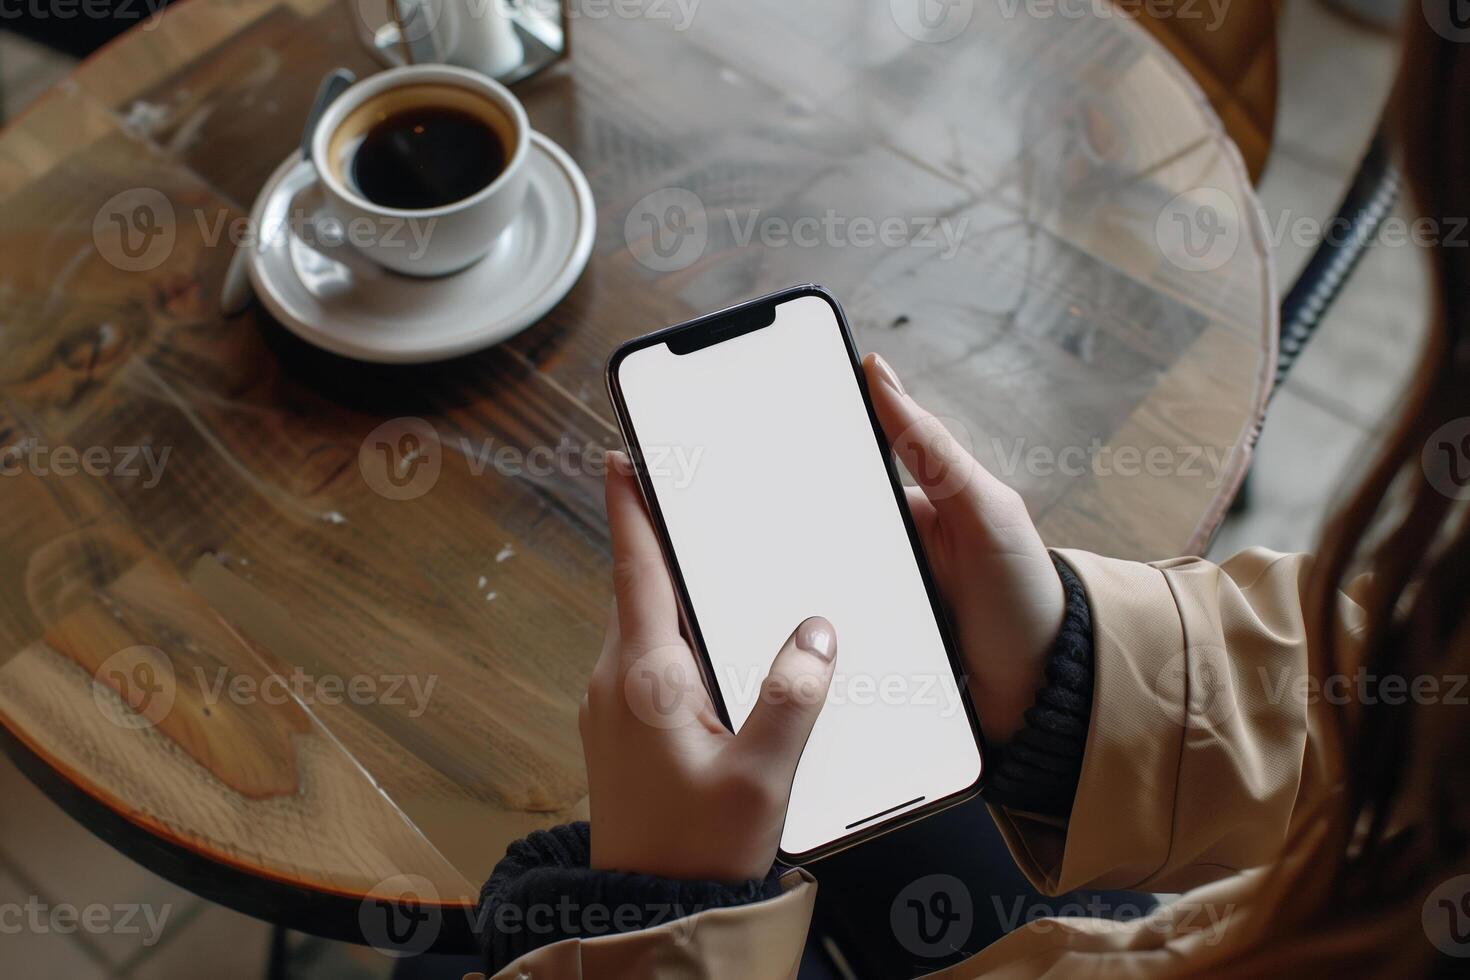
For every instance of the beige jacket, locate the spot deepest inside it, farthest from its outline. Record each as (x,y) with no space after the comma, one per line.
(1211,743)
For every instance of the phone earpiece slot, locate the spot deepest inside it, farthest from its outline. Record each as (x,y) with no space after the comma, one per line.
(707,333)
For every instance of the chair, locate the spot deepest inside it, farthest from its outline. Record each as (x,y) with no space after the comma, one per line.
(1234,62)
(1369,198)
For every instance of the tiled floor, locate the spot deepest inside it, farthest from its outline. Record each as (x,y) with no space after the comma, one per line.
(50,863)
(1342,391)
(150,930)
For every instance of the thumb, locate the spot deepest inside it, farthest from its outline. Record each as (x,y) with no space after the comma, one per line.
(792,695)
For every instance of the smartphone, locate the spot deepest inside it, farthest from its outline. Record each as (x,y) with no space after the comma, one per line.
(775,497)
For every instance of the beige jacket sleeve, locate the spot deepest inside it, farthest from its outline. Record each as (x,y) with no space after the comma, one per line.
(1203,745)
(1198,751)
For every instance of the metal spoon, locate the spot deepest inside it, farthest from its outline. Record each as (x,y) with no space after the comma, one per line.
(235,294)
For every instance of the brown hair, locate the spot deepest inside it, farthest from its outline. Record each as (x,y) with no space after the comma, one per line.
(1414,539)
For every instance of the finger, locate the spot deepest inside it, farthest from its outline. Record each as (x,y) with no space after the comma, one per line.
(949,476)
(648,613)
(792,696)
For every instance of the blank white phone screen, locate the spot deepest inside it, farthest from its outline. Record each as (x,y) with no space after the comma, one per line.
(778,505)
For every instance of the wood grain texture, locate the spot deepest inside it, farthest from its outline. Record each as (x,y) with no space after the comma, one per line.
(277,550)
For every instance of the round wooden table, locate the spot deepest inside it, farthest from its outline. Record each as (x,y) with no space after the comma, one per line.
(249,651)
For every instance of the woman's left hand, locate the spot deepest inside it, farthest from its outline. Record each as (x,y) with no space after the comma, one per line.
(673,792)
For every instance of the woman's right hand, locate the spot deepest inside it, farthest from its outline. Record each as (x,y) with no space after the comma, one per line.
(1003,594)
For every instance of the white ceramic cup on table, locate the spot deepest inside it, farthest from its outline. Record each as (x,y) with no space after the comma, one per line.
(432,241)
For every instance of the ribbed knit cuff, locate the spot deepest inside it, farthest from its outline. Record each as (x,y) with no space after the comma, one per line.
(542,892)
(1038,770)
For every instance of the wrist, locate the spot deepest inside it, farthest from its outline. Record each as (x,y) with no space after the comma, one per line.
(1015,669)
(544,891)
(1038,769)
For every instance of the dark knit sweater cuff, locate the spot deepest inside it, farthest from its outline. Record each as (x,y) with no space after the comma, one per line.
(1038,770)
(542,892)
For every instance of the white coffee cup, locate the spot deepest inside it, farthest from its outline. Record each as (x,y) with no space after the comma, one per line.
(429,241)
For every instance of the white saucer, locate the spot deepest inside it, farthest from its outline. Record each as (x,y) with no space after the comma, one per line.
(336,299)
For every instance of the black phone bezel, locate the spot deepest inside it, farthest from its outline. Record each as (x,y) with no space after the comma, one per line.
(714,328)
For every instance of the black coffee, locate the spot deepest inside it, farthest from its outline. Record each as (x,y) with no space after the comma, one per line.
(426,157)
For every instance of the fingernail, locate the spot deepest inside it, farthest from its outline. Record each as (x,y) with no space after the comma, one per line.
(889,376)
(616,459)
(816,636)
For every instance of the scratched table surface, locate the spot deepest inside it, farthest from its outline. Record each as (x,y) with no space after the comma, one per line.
(303,633)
